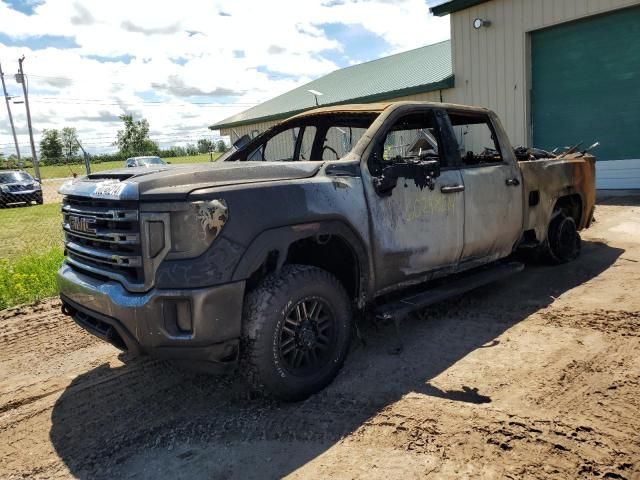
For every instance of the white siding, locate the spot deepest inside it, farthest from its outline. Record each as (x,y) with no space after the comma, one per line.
(618,174)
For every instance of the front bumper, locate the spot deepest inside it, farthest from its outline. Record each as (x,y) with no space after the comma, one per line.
(191,324)
(26,196)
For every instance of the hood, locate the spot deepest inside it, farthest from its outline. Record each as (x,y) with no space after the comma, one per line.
(168,182)
(21,185)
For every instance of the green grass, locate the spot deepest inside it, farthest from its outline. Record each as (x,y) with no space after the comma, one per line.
(29,278)
(62,171)
(31,242)
(24,230)
(30,253)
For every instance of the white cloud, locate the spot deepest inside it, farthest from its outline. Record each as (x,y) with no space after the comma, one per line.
(283,37)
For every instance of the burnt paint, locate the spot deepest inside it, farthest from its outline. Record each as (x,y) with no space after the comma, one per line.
(264,197)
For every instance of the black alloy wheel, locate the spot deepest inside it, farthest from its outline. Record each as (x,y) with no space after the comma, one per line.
(296,331)
(307,336)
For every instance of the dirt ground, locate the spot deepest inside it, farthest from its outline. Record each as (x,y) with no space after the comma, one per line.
(50,189)
(534,377)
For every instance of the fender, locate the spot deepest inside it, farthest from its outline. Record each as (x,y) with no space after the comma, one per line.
(279,239)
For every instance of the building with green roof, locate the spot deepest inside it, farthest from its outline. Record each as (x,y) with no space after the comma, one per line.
(557,72)
(422,72)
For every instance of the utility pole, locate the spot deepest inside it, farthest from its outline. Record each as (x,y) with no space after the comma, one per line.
(34,156)
(13,128)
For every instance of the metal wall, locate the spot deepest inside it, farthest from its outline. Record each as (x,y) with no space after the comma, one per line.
(491,65)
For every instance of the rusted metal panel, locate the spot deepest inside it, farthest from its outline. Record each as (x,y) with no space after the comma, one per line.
(555,178)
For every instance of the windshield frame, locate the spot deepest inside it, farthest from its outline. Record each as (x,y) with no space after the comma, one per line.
(322,122)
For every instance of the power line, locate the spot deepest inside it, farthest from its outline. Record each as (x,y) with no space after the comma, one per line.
(76,79)
(161,139)
(84,99)
(150,103)
(173,87)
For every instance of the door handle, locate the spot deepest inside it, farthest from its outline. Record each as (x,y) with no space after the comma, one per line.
(452,188)
(512,182)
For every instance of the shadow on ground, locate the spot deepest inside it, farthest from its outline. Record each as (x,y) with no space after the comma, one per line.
(148,419)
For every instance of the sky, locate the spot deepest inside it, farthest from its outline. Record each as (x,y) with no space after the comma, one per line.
(184,65)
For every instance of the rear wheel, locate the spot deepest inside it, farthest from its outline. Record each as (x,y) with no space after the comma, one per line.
(297,329)
(563,239)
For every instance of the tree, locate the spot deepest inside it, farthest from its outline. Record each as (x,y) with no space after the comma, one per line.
(69,142)
(205,145)
(191,149)
(134,139)
(221,146)
(51,146)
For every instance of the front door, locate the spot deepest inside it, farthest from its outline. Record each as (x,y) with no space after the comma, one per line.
(493,190)
(415,230)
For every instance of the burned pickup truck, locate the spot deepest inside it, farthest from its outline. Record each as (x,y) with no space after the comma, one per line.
(264,258)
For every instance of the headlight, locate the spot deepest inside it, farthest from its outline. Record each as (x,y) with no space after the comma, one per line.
(195,227)
(37,186)
(212,216)
(4,189)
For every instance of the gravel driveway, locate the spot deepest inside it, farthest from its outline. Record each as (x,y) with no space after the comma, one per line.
(536,376)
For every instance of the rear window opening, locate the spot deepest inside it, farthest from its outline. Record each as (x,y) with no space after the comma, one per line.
(477,142)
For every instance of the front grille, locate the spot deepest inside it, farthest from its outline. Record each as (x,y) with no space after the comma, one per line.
(20,188)
(103,237)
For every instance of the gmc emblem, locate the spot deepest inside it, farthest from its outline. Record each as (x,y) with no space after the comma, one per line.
(82,224)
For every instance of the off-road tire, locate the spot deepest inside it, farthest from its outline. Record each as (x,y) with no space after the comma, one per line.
(265,311)
(563,240)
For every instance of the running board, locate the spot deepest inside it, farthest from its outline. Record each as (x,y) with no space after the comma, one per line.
(399,309)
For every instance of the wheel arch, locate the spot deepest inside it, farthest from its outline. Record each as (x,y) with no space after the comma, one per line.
(571,204)
(330,245)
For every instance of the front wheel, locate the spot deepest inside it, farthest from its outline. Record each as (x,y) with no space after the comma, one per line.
(297,329)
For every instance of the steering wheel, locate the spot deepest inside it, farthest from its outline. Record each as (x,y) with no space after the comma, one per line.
(327,147)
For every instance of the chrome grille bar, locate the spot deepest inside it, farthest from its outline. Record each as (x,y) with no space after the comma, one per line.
(96,255)
(103,237)
(104,214)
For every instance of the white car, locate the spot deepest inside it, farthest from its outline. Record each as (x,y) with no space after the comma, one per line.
(145,161)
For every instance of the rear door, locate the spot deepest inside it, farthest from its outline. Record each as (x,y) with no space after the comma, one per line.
(492,189)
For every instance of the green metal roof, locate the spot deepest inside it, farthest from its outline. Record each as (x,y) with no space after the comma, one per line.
(420,70)
(454,6)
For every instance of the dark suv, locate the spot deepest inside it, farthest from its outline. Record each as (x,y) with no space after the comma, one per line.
(18,187)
